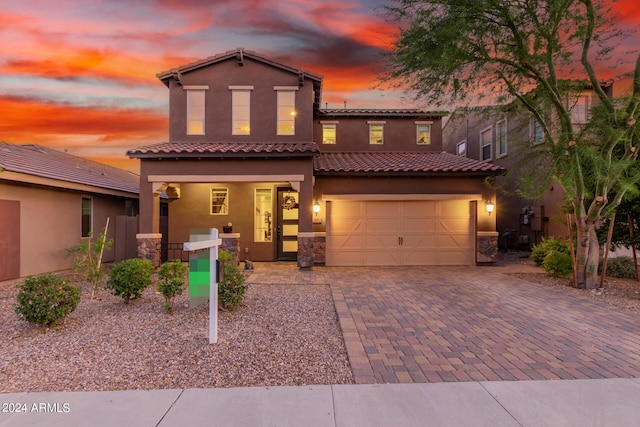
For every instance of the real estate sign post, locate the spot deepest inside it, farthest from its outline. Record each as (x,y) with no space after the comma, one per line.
(201,284)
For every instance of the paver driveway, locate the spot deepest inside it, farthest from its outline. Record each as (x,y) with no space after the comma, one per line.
(434,324)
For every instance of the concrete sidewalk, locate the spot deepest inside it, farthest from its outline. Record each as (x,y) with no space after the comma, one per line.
(607,402)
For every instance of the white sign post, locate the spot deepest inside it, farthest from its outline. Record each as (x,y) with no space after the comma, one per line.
(211,244)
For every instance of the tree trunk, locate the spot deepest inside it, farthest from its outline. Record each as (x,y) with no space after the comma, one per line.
(587,254)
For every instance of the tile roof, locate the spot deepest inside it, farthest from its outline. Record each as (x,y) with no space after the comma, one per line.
(45,162)
(224,149)
(360,112)
(395,163)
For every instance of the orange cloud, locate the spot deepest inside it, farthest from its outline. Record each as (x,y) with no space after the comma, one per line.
(33,121)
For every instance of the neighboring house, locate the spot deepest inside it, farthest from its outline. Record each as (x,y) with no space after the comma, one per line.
(506,136)
(50,200)
(250,145)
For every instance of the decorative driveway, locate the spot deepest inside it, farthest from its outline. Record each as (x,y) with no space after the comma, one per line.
(441,324)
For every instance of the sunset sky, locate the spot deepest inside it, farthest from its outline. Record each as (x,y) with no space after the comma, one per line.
(80,74)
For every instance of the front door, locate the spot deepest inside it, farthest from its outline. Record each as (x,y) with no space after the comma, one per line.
(287,224)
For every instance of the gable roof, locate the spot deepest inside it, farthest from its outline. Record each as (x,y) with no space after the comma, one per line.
(39,161)
(394,163)
(224,149)
(239,55)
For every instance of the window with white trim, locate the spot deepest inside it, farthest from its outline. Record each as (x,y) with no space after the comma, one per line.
(329,133)
(423,134)
(536,133)
(580,109)
(241,111)
(219,201)
(376,133)
(263,207)
(486,142)
(461,148)
(195,111)
(286,112)
(501,138)
(87,211)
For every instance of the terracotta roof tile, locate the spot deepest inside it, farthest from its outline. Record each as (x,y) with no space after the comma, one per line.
(224,149)
(401,163)
(356,112)
(49,163)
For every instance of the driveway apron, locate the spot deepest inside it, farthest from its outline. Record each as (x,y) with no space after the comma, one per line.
(447,324)
(442,324)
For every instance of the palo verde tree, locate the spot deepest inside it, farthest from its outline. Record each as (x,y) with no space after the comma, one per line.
(539,54)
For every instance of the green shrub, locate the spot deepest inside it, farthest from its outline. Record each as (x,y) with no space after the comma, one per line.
(232,288)
(622,267)
(45,299)
(557,264)
(88,258)
(549,244)
(129,278)
(171,275)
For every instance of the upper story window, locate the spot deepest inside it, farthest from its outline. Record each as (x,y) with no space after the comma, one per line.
(580,109)
(240,109)
(461,148)
(286,111)
(376,132)
(501,137)
(195,110)
(219,201)
(486,142)
(423,133)
(329,132)
(537,135)
(87,210)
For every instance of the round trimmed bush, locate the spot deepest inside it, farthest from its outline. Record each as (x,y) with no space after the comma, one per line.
(129,278)
(171,275)
(46,299)
(549,244)
(557,264)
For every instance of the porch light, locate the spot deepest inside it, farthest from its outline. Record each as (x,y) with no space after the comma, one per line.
(316,208)
(489,206)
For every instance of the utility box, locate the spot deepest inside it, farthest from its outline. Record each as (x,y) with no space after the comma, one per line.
(536,220)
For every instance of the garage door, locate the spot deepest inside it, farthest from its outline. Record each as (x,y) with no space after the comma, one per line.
(425,232)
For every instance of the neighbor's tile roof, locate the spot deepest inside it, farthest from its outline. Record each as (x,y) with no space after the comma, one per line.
(359,112)
(45,162)
(401,163)
(224,149)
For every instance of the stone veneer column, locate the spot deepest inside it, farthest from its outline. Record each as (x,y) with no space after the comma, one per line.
(231,244)
(306,242)
(148,247)
(487,247)
(319,248)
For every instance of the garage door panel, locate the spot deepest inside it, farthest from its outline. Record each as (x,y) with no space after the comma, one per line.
(347,225)
(427,232)
(419,209)
(419,241)
(381,210)
(347,241)
(345,258)
(381,258)
(381,241)
(419,225)
(452,225)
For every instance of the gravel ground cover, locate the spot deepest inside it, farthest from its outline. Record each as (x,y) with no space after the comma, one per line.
(282,335)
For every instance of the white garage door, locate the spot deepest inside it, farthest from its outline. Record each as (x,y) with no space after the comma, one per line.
(424,232)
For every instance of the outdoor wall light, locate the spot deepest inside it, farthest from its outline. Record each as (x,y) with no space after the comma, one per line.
(316,208)
(489,206)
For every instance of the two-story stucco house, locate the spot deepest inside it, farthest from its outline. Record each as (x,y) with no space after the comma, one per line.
(250,145)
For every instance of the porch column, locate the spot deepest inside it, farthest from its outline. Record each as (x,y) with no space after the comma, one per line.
(149,237)
(305,225)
